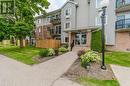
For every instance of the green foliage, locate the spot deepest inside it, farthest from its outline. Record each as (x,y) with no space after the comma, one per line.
(51,52)
(5,28)
(88,57)
(22,29)
(96,43)
(63,49)
(43,53)
(25,10)
(64,45)
(88,81)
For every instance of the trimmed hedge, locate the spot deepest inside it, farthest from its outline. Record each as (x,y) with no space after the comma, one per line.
(96,43)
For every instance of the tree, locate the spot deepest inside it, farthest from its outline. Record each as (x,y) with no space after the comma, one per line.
(25,10)
(22,30)
(5,28)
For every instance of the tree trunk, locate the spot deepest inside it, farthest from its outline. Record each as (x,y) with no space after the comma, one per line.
(21,42)
(30,41)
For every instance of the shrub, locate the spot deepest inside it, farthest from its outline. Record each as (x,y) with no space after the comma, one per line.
(43,53)
(81,52)
(64,45)
(51,52)
(96,43)
(63,49)
(88,57)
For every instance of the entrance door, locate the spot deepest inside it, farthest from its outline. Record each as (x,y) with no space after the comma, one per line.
(83,39)
(77,39)
(80,39)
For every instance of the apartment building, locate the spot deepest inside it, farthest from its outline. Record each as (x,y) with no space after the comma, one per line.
(79,18)
(49,26)
(122,25)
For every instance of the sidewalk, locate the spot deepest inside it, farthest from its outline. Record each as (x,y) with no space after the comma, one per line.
(14,73)
(122,74)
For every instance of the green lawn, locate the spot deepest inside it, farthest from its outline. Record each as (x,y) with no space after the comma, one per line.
(95,82)
(20,54)
(118,58)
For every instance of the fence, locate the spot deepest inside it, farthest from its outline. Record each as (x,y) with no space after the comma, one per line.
(17,43)
(49,43)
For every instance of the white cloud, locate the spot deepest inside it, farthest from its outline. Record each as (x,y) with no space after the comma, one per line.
(55,4)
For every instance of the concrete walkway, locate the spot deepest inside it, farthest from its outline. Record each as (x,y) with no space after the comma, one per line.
(14,73)
(122,74)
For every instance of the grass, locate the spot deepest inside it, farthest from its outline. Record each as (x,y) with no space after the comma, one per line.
(118,58)
(24,55)
(95,82)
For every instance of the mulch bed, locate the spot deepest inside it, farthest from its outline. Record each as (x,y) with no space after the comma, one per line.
(40,60)
(94,71)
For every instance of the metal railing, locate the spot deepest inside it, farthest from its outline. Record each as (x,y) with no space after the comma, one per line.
(123,23)
(57,19)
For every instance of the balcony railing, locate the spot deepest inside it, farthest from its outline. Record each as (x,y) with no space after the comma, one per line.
(122,3)
(55,20)
(123,24)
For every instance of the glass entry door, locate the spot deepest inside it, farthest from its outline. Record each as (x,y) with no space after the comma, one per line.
(81,38)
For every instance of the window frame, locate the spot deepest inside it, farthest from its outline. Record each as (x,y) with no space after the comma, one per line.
(68,27)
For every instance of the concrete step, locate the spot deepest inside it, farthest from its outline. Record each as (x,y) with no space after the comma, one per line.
(77,48)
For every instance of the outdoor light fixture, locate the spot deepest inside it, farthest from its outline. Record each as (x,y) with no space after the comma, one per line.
(103,6)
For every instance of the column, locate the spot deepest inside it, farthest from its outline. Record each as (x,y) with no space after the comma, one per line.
(89,38)
(69,41)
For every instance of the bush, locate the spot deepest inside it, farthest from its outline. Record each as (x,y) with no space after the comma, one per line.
(43,53)
(51,52)
(81,52)
(63,49)
(96,43)
(88,57)
(64,45)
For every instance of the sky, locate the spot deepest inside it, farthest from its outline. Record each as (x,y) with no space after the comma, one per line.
(55,4)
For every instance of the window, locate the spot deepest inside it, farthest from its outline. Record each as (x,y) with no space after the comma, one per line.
(39,30)
(39,21)
(58,29)
(48,19)
(98,3)
(67,25)
(120,17)
(66,39)
(68,12)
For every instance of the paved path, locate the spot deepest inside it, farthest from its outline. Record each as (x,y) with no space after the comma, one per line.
(122,74)
(13,73)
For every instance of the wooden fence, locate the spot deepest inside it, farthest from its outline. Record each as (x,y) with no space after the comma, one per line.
(17,43)
(49,43)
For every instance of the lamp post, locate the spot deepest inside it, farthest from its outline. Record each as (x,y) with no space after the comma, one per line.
(103,37)
(104,5)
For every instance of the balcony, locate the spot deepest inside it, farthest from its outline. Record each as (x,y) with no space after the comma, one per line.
(123,25)
(55,20)
(122,6)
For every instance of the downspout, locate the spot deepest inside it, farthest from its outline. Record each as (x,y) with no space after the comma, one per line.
(76,6)
(76,16)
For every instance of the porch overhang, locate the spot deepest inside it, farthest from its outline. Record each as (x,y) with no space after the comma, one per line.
(81,30)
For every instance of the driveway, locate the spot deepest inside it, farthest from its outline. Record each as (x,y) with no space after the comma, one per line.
(13,73)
